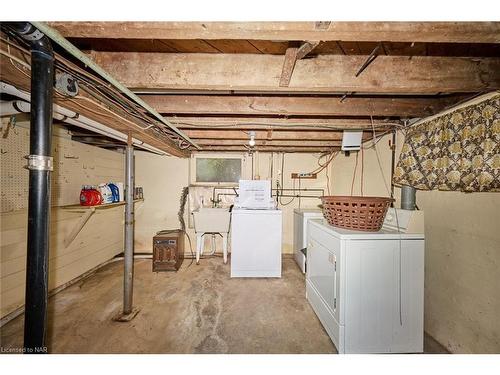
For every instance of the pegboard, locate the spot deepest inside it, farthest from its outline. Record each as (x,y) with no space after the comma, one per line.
(75,164)
(14,145)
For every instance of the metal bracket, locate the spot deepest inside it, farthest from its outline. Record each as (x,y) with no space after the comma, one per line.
(35,35)
(370,59)
(40,163)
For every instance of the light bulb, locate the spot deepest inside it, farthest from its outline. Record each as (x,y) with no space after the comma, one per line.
(251,142)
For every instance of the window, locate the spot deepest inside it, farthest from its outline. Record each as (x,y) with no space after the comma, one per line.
(218,170)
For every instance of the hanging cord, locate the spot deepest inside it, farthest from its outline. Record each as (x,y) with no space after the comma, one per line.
(324,166)
(391,194)
(354,174)
(362,171)
(328,161)
(327,181)
(299,193)
(282,182)
(180,215)
(271,163)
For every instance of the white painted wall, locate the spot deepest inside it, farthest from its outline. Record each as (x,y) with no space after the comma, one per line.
(462,255)
(164,177)
(75,164)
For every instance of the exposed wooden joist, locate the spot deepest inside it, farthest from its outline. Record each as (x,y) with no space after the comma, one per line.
(89,107)
(452,32)
(328,73)
(277,143)
(242,148)
(303,106)
(268,135)
(245,123)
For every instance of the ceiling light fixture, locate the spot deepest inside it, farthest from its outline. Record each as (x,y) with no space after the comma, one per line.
(251,142)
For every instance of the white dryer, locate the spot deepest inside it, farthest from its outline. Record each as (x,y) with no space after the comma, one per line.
(300,219)
(367,288)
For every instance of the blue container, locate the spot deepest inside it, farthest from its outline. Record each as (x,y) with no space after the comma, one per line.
(115,192)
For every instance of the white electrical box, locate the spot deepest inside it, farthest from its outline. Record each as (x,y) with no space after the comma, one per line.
(351,140)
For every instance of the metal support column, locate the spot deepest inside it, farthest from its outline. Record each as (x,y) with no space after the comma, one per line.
(128,281)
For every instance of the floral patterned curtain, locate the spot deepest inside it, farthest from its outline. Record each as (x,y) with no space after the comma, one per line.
(458,150)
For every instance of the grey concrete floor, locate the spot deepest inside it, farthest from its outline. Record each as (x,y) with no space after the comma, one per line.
(199,309)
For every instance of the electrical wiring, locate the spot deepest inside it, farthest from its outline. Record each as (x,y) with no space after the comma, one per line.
(323,166)
(354,174)
(271,162)
(397,224)
(282,182)
(13,59)
(291,199)
(327,181)
(271,124)
(96,88)
(362,171)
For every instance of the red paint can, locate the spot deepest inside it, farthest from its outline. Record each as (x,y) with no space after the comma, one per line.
(90,196)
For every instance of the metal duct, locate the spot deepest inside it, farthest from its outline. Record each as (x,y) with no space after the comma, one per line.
(408,197)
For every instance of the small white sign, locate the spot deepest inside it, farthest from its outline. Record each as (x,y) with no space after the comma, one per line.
(255,194)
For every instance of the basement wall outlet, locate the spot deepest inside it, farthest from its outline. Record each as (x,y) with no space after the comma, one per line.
(304,175)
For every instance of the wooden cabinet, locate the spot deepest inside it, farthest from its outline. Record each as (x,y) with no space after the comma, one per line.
(168,251)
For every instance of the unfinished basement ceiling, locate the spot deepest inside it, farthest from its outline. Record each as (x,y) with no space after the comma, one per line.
(297,84)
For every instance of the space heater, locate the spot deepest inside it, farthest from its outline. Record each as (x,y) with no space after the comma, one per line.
(168,250)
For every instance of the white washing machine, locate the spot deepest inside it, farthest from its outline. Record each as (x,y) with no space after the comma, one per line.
(300,219)
(367,288)
(256,237)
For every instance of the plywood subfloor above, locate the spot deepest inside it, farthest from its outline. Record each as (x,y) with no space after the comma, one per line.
(279,47)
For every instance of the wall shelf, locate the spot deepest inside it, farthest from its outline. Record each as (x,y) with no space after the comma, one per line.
(88,212)
(77,207)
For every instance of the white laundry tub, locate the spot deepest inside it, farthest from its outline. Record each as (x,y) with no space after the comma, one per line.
(211,220)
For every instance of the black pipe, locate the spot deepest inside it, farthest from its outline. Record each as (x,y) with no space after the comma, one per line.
(40,166)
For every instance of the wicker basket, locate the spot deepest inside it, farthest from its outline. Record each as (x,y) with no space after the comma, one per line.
(357,213)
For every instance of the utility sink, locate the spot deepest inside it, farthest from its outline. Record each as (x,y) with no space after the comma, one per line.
(211,220)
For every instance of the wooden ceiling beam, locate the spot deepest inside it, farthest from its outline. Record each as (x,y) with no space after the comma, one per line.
(248,123)
(265,135)
(287,149)
(326,73)
(85,104)
(299,106)
(277,143)
(446,32)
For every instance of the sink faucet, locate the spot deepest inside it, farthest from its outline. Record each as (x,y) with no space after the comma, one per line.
(216,202)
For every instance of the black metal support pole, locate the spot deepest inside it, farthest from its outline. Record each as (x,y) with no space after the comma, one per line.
(40,166)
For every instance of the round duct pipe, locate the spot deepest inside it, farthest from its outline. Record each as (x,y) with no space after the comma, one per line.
(408,197)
